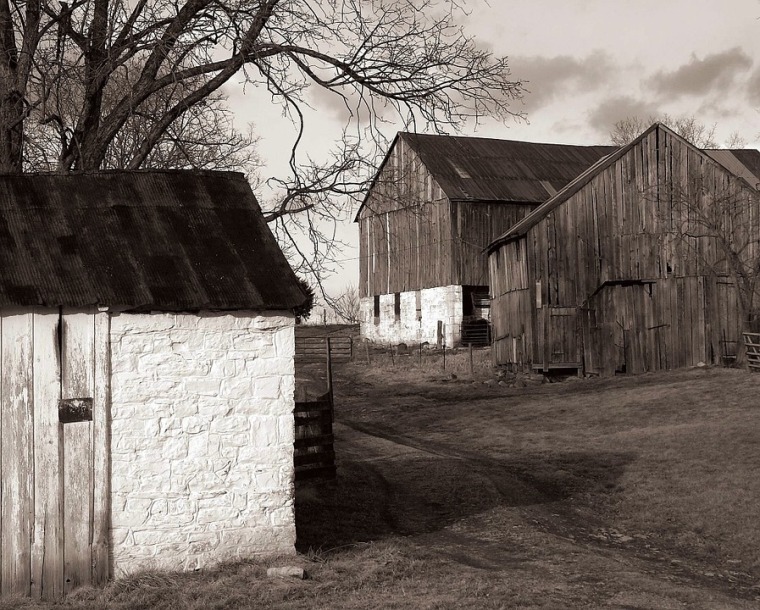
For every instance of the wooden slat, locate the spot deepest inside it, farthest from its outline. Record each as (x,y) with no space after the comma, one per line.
(323,472)
(47,546)
(312,407)
(16,421)
(326,456)
(319,418)
(77,381)
(101,481)
(314,441)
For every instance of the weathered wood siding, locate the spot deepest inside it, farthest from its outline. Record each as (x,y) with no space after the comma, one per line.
(646,299)
(55,488)
(411,237)
(512,304)
(405,239)
(475,225)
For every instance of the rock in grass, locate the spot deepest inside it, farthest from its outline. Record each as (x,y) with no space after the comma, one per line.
(287,572)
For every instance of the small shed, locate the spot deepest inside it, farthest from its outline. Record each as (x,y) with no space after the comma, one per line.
(616,273)
(146,377)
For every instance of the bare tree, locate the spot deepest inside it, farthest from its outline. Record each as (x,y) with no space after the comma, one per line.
(717,221)
(408,55)
(205,137)
(347,305)
(689,128)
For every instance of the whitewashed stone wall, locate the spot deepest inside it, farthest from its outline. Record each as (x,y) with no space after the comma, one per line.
(202,438)
(442,303)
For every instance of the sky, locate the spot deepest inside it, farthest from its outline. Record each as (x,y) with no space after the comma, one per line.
(587,64)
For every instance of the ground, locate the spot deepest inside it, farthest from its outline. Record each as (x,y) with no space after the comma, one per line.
(633,492)
(455,490)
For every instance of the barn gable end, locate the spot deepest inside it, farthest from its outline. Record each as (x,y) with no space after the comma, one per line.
(596,277)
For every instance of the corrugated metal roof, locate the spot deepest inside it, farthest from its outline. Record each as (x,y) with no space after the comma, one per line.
(161,240)
(740,162)
(485,169)
(749,158)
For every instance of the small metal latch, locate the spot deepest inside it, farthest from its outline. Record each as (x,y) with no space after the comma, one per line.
(72,410)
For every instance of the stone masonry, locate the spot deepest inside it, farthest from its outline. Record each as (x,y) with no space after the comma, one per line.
(442,303)
(202,438)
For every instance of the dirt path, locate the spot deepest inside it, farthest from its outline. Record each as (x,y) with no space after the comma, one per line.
(467,508)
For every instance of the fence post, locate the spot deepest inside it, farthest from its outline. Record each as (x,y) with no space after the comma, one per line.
(444,355)
(329,369)
(471,363)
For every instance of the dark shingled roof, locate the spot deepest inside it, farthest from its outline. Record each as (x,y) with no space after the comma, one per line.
(142,240)
(489,170)
(484,169)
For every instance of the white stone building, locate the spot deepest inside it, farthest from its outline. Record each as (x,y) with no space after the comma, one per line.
(147,365)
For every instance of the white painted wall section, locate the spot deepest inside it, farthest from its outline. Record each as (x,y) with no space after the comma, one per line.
(443,303)
(202,438)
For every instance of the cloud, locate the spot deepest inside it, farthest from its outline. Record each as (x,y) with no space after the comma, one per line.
(753,87)
(614,109)
(714,73)
(548,77)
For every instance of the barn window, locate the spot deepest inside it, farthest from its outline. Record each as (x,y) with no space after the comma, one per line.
(376,308)
(397,306)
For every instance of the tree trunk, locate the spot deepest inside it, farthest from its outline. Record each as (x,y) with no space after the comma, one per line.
(11,132)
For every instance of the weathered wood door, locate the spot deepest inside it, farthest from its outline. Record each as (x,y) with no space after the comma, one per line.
(54,405)
(558,334)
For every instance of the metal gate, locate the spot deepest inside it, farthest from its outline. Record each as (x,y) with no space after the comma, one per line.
(54,404)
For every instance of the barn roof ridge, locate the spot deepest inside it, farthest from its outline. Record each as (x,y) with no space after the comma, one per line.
(481,169)
(176,240)
(523,226)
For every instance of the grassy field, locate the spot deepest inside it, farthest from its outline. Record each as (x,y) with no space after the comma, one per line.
(455,491)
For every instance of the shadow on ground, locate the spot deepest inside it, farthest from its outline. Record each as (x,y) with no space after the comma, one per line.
(390,486)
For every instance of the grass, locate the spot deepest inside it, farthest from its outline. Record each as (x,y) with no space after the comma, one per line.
(630,492)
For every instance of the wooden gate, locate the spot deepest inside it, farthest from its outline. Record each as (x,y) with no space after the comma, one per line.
(54,405)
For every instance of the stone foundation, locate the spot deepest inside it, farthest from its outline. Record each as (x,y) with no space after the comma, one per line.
(414,326)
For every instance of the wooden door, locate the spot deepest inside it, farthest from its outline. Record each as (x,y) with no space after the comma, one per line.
(54,404)
(558,330)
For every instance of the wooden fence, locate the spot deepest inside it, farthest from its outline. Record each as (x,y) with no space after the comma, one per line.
(476,333)
(314,349)
(314,452)
(752,344)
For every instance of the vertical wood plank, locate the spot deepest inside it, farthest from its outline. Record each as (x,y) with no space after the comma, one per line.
(16,420)
(47,546)
(77,372)
(101,426)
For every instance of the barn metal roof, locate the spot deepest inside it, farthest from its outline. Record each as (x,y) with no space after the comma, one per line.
(490,170)
(141,240)
(485,169)
(744,163)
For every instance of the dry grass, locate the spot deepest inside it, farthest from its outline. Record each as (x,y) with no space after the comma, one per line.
(672,456)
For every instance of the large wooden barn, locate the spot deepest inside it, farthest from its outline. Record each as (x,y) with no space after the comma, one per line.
(435,204)
(146,377)
(617,271)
